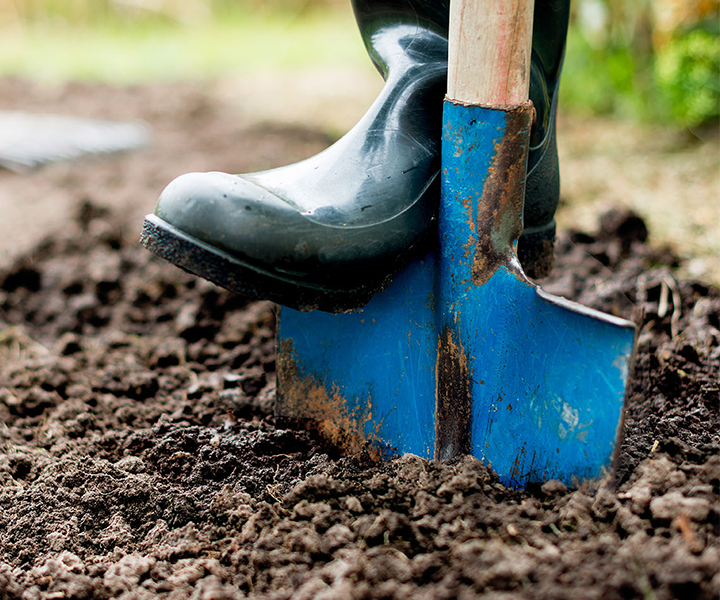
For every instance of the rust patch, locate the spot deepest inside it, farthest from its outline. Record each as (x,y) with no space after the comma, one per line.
(453,403)
(499,218)
(519,462)
(325,410)
(472,241)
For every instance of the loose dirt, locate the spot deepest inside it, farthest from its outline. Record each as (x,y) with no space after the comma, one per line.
(139,456)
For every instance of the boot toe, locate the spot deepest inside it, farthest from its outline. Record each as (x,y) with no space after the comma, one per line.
(264,232)
(229,213)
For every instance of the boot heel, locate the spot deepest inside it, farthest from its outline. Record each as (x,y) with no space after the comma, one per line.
(536,250)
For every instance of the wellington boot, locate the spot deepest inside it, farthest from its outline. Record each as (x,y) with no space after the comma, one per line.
(332,230)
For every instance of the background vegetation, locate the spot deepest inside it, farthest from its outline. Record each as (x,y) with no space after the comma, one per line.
(648,59)
(653,60)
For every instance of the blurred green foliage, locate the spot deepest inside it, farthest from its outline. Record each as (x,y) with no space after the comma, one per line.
(599,80)
(687,72)
(653,60)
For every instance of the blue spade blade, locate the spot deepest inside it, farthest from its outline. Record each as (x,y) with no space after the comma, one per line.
(537,381)
(462,354)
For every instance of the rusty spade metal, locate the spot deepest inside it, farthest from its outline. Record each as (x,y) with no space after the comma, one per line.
(462,353)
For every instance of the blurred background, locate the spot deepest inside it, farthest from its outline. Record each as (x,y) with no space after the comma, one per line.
(643,59)
(640,96)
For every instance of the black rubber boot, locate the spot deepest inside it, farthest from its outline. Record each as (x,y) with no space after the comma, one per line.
(330,231)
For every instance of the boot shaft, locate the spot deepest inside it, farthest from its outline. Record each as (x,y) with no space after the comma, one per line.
(377,17)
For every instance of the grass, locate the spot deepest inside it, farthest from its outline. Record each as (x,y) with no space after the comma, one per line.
(142,52)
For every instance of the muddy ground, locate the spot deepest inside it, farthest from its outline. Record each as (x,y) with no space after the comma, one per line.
(139,456)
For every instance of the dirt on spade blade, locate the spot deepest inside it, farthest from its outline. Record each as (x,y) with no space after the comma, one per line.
(139,457)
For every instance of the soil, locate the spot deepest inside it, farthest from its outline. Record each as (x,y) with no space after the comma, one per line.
(139,455)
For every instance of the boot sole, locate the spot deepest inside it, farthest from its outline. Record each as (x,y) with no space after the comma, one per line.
(223,269)
(535,251)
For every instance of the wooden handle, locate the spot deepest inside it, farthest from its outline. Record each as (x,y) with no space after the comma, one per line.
(489,51)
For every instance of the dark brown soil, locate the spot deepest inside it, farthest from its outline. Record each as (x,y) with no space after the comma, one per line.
(139,457)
